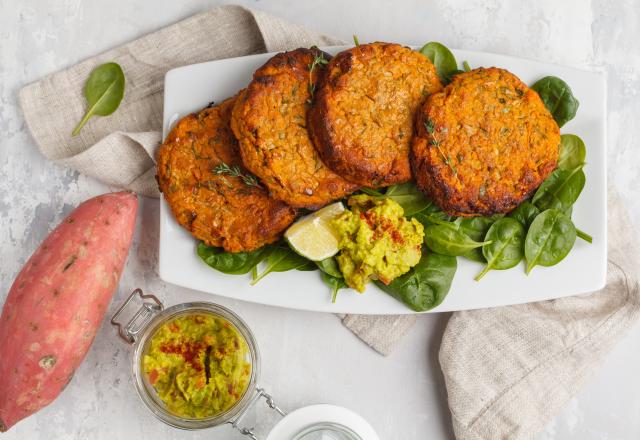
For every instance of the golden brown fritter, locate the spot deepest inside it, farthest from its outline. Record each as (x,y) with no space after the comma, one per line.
(363,113)
(270,122)
(208,198)
(483,144)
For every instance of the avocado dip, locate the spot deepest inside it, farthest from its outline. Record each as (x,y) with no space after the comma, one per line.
(198,365)
(376,241)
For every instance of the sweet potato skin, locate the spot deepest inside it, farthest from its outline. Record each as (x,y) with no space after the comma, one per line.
(57,302)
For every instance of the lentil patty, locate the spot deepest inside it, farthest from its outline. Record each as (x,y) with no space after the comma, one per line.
(270,121)
(362,117)
(483,144)
(218,208)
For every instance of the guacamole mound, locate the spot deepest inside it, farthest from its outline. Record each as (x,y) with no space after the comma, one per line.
(198,365)
(376,241)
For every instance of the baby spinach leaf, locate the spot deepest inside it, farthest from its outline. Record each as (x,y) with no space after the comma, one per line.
(330,267)
(550,238)
(525,213)
(281,259)
(103,90)
(579,233)
(558,98)
(433,215)
(506,248)
(334,283)
(231,263)
(309,266)
(371,192)
(406,195)
(583,235)
(572,152)
(434,218)
(475,228)
(426,285)
(331,276)
(409,197)
(442,59)
(560,190)
(449,240)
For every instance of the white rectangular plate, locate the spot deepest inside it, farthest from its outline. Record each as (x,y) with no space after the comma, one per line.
(189,88)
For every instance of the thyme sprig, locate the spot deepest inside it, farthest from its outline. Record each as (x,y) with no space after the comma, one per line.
(235,171)
(318,60)
(431,129)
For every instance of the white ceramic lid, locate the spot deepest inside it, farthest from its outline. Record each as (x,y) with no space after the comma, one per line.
(296,421)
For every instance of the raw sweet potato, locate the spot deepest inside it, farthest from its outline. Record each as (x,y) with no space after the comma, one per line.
(58,301)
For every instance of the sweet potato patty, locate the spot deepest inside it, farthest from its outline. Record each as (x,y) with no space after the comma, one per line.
(483,144)
(201,177)
(363,113)
(270,121)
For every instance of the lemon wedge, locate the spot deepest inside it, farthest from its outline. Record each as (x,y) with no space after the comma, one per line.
(312,236)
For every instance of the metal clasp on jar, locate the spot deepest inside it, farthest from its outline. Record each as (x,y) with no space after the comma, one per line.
(260,392)
(146,312)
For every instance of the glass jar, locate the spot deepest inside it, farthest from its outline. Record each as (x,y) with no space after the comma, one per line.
(151,316)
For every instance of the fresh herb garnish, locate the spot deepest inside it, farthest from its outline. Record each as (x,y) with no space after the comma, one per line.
(103,90)
(235,171)
(355,40)
(318,60)
(430,127)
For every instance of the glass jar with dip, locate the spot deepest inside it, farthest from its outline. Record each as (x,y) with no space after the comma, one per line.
(196,365)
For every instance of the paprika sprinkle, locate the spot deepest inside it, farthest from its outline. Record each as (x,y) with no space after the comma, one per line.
(198,364)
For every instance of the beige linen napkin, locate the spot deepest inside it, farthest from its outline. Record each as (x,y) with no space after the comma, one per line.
(508,370)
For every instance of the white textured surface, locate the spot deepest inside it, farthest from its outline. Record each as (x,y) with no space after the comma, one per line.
(307,357)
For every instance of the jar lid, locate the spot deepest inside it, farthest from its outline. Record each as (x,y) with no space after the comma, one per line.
(323,421)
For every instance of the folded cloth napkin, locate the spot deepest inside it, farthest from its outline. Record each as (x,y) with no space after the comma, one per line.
(507,370)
